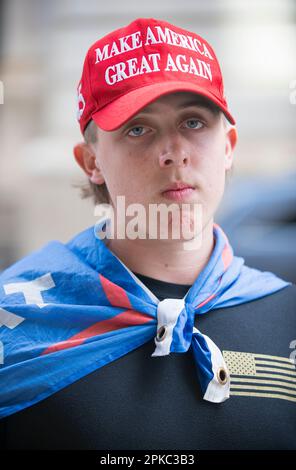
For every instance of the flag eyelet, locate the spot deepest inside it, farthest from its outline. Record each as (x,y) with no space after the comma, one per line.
(161,333)
(222,376)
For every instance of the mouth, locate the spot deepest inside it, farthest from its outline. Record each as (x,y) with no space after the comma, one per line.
(179,191)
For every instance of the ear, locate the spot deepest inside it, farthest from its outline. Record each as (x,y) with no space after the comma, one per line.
(86,159)
(231,139)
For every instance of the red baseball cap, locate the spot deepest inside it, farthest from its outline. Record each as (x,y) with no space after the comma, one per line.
(132,66)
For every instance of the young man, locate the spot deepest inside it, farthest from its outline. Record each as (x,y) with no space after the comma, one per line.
(112,342)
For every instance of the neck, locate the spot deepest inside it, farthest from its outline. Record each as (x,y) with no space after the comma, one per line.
(165,260)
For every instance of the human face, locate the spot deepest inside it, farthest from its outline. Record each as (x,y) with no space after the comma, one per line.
(178,137)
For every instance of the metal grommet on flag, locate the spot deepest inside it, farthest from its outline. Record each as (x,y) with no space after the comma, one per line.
(222,376)
(168,312)
(161,333)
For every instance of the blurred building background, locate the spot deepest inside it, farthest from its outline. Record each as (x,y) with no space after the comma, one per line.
(42,48)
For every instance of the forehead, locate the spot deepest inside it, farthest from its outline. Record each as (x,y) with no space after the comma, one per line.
(178,100)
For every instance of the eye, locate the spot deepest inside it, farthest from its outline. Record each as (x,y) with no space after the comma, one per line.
(137,131)
(194,123)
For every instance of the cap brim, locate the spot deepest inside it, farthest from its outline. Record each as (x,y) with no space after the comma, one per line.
(118,112)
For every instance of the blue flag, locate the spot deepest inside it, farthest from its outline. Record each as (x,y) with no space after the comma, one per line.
(69,309)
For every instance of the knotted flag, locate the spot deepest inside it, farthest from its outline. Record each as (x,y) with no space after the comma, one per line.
(69,309)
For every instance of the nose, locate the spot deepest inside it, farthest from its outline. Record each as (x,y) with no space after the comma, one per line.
(174,152)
